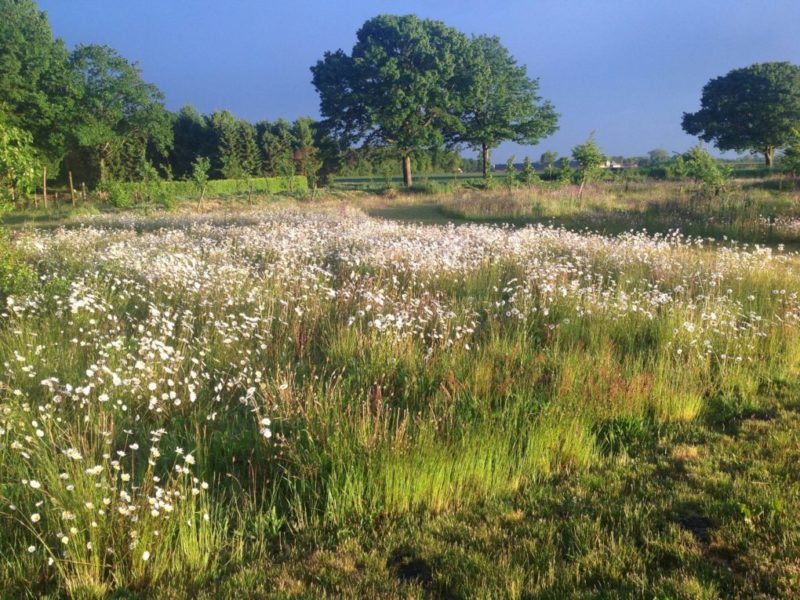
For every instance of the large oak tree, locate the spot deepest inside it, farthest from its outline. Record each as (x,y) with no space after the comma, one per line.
(754,108)
(499,101)
(397,89)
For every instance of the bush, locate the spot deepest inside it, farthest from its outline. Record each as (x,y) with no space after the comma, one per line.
(269,185)
(125,195)
(19,166)
(116,193)
(704,169)
(389,191)
(660,171)
(565,172)
(490,183)
(528,174)
(431,187)
(200,168)
(159,193)
(166,193)
(791,156)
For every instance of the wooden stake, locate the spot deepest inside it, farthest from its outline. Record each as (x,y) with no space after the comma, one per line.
(71,189)
(44,186)
(83,190)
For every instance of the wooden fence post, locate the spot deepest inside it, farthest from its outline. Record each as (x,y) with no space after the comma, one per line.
(71,189)
(44,186)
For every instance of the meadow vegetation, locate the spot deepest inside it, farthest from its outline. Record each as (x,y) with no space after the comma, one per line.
(576,379)
(304,400)
(762,211)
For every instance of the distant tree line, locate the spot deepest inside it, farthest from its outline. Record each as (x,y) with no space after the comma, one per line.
(238,149)
(89,112)
(88,109)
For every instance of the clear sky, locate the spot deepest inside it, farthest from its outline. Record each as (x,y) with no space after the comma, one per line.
(626,69)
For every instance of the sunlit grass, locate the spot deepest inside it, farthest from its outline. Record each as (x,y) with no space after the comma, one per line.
(190,393)
(745,211)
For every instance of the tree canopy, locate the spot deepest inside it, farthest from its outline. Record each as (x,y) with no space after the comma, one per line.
(657,155)
(36,86)
(411,89)
(19,165)
(192,138)
(413,84)
(118,110)
(499,102)
(791,156)
(92,111)
(589,158)
(749,109)
(396,89)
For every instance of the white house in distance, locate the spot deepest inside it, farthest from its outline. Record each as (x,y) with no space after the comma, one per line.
(610,164)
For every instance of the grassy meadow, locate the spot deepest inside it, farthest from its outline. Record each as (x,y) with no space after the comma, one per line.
(307,400)
(762,211)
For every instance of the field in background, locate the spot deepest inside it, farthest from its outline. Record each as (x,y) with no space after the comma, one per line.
(762,212)
(295,398)
(447,181)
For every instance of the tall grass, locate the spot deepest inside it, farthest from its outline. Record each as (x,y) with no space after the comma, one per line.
(753,212)
(176,397)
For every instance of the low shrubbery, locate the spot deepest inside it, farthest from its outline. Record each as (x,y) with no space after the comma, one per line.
(157,192)
(19,165)
(261,185)
(16,277)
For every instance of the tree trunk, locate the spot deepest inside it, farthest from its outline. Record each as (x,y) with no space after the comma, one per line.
(485,157)
(102,170)
(769,154)
(407,171)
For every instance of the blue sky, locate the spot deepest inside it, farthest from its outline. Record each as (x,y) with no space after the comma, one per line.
(626,69)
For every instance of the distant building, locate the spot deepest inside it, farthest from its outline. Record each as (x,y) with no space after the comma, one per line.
(614,166)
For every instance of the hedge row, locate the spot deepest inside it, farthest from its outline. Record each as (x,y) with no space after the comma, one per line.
(165,193)
(227,187)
